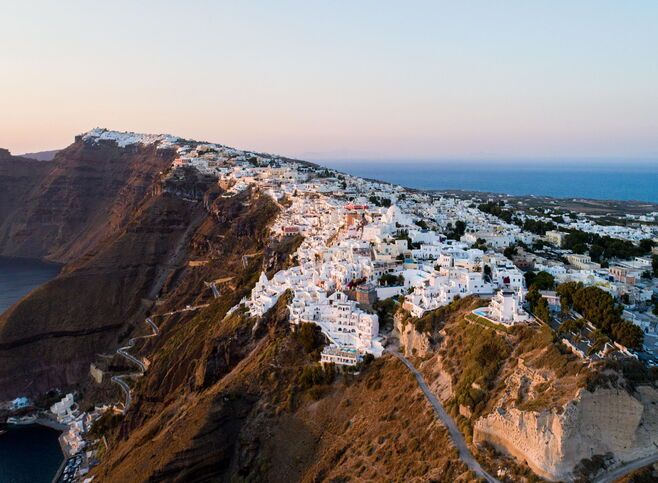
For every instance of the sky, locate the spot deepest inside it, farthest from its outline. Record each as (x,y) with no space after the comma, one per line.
(358,79)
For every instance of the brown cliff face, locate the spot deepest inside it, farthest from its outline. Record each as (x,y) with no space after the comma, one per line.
(103,210)
(224,396)
(18,178)
(49,338)
(87,194)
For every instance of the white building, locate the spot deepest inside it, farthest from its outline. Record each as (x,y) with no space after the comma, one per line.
(506,308)
(65,410)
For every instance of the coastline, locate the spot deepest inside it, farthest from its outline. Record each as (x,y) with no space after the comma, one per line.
(18,284)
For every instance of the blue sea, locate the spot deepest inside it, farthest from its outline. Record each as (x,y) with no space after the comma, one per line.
(18,276)
(27,454)
(603,181)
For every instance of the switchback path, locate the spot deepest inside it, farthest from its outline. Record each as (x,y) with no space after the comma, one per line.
(179,311)
(456,436)
(123,352)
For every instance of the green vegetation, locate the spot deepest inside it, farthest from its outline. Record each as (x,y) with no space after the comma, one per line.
(403,235)
(600,309)
(571,325)
(480,244)
(532,297)
(316,375)
(326,173)
(603,248)
(433,320)
(537,227)
(389,280)
(379,201)
(541,310)
(456,232)
(539,281)
(105,424)
(422,224)
(510,251)
(497,209)
(311,338)
(485,322)
(484,353)
(386,311)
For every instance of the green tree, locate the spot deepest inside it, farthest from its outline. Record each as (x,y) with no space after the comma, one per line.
(533,297)
(542,281)
(541,310)
(628,334)
(566,292)
(510,251)
(487,271)
(646,245)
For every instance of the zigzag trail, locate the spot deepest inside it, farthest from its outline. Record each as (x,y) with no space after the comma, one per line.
(122,351)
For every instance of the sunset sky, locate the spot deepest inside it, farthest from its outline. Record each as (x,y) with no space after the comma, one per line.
(326,80)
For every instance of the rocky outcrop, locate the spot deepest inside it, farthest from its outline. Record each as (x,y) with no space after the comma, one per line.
(553,442)
(413,342)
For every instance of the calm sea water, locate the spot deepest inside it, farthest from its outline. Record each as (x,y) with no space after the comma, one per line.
(608,181)
(27,454)
(18,276)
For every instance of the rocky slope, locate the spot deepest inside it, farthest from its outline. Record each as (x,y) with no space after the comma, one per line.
(122,231)
(73,204)
(253,412)
(518,392)
(19,176)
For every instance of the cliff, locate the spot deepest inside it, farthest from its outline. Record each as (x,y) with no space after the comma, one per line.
(110,215)
(553,442)
(521,393)
(19,177)
(66,208)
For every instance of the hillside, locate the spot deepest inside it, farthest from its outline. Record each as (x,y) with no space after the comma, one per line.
(524,394)
(204,242)
(260,417)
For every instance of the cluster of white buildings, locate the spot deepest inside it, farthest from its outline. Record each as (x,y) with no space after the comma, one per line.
(65,410)
(364,239)
(350,243)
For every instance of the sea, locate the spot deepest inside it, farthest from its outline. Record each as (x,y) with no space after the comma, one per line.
(29,454)
(559,179)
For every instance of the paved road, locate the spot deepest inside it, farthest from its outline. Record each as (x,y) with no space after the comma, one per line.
(126,391)
(457,438)
(123,352)
(626,469)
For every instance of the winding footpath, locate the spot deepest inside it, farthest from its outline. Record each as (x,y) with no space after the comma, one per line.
(458,440)
(123,352)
